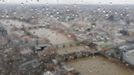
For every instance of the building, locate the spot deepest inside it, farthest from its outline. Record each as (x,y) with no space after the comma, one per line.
(124,53)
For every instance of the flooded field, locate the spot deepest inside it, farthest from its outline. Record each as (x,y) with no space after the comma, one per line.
(100,66)
(88,66)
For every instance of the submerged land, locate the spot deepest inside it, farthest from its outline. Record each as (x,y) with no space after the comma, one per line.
(66,39)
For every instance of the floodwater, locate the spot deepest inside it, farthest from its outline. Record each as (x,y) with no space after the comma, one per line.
(87,66)
(100,66)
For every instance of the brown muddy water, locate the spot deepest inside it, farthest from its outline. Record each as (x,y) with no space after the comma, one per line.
(100,66)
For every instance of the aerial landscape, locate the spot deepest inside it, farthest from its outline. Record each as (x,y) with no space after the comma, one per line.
(75,39)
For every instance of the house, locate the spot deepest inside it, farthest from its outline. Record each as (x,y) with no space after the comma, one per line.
(123,52)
